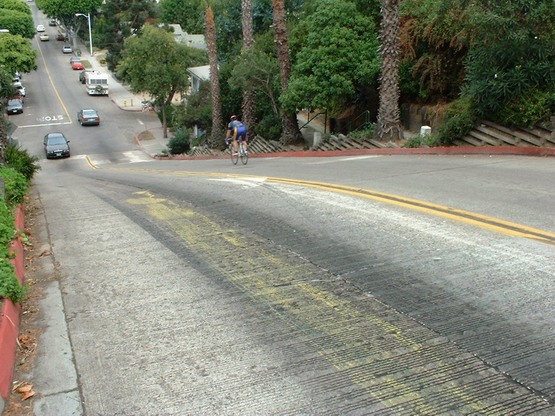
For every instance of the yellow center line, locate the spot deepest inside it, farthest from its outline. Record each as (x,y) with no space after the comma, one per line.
(479,220)
(52,83)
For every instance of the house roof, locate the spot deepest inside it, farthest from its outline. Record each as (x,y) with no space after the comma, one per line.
(201,72)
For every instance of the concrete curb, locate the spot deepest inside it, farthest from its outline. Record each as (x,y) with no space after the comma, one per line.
(461,151)
(9,316)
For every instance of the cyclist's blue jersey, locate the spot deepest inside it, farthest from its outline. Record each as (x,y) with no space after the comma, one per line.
(241,129)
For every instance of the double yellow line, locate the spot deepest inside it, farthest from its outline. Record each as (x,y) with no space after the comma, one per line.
(483,221)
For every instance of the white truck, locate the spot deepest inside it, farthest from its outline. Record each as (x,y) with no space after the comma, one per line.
(96,83)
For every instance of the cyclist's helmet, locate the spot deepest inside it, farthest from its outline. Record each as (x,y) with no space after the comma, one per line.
(233,117)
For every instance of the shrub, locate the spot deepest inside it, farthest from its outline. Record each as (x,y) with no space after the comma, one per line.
(16,185)
(458,120)
(179,143)
(10,287)
(527,109)
(20,160)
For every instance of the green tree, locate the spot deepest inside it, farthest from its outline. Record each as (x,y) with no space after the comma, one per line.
(66,10)
(16,54)
(17,22)
(15,5)
(119,20)
(189,15)
(325,75)
(155,64)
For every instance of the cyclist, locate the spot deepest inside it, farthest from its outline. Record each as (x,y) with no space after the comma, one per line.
(236,131)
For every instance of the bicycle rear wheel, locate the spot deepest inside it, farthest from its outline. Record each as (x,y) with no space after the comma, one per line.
(234,156)
(243,153)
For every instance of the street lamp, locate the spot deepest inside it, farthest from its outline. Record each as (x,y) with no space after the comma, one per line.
(88,16)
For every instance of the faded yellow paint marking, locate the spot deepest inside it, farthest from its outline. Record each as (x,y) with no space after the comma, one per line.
(269,279)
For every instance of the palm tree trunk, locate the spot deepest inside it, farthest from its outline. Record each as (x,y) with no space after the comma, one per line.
(389,116)
(217,135)
(291,133)
(248,107)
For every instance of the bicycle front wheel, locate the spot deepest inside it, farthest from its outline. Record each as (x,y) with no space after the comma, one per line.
(234,155)
(243,153)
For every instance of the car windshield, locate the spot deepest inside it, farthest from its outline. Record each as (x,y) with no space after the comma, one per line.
(56,140)
(89,113)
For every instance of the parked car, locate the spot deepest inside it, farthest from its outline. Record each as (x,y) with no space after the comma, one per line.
(88,117)
(67,49)
(77,65)
(60,36)
(20,87)
(56,145)
(52,22)
(14,106)
(82,78)
(44,37)
(40,28)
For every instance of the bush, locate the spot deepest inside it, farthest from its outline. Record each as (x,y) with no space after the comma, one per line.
(422,141)
(10,287)
(527,109)
(16,185)
(458,120)
(179,143)
(20,160)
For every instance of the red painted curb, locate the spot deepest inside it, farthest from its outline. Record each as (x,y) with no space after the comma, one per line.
(10,313)
(394,151)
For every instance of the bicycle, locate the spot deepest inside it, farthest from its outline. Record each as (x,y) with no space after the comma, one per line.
(242,152)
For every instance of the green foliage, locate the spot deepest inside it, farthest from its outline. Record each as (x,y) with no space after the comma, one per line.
(154,63)
(15,5)
(20,160)
(190,15)
(270,127)
(66,9)
(527,109)
(10,287)
(197,112)
(17,22)
(423,141)
(16,185)
(458,120)
(16,54)
(325,73)
(179,143)
(363,133)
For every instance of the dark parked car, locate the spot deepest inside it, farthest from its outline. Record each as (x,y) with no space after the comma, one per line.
(15,106)
(82,78)
(60,36)
(56,145)
(88,117)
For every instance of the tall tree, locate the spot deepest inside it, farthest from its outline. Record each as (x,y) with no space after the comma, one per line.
(291,132)
(66,10)
(217,133)
(389,115)
(155,64)
(248,106)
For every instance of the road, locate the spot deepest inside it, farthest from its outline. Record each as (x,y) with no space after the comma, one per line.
(360,285)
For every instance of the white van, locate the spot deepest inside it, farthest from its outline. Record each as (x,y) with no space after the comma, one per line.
(96,83)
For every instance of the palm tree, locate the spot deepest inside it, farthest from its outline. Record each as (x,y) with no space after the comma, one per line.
(248,107)
(291,132)
(389,116)
(217,134)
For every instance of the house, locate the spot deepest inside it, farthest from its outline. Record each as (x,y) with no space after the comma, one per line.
(193,41)
(197,75)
